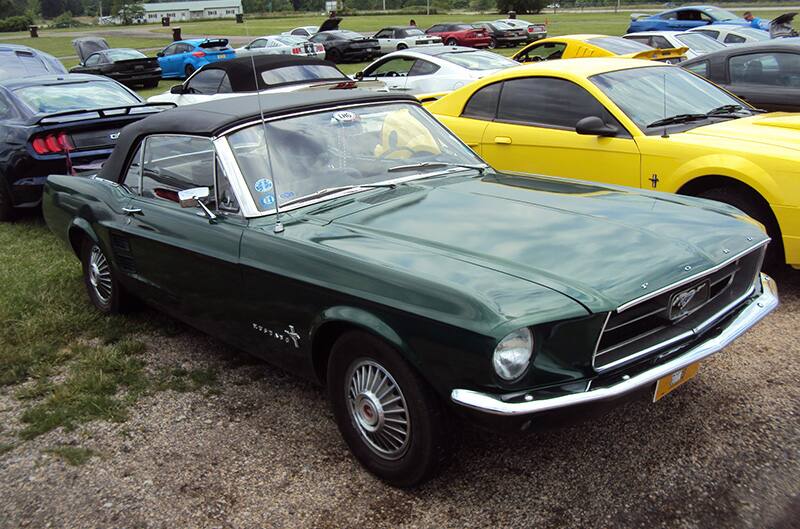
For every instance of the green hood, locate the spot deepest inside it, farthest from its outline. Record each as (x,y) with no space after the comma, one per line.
(596,244)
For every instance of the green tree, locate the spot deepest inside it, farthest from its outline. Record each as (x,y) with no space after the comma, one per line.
(52,8)
(520,6)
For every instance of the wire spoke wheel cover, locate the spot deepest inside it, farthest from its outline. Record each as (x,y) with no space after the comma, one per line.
(100,275)
(378,409)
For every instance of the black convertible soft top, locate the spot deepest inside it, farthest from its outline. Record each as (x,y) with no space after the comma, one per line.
(240,70)
(214,117)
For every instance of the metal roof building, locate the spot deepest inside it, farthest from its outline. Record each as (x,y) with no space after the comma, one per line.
(192,10)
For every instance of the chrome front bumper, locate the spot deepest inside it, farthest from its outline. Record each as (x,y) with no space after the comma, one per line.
(749,316)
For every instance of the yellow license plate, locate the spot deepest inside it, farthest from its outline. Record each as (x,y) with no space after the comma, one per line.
(670,382)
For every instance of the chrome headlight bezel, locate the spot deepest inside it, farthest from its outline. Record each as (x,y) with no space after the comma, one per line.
(512,356)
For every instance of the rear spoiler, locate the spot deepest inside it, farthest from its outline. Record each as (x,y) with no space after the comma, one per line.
(128,110)
(637,16)
(659,55)
(214,43)
(430,97)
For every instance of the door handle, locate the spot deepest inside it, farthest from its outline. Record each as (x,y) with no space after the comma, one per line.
(504,140)
(132,211)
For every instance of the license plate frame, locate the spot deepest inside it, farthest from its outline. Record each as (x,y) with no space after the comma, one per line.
(674,380)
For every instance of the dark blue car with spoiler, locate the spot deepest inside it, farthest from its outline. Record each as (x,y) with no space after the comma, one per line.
(56,124)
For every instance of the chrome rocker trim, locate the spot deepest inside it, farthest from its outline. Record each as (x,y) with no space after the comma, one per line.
(758,308)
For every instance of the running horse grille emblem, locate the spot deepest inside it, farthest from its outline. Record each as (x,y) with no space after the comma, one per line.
(687,301)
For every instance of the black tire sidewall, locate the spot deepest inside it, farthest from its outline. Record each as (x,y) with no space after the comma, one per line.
(773,259)
(451,42)
(188,70)
(426,451)
(113,304)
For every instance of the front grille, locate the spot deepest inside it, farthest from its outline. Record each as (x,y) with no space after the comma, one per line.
(677,314)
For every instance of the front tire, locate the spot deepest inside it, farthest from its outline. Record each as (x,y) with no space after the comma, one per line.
(335,56)
(388,416)
(492,43)
(101,283)
(402,46)
(451,42)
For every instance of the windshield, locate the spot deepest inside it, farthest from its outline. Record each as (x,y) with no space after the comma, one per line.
(345,34)
(699,42)
(720,14)
(46,99)
(297,73)
(122,54)
(753,34)
(618,45)
(290,40)
(647,95)
(340,147)
(478,60)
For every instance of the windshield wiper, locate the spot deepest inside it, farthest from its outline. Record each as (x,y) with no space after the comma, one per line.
(679,118)
(337,189)
(422,165)
(725,110)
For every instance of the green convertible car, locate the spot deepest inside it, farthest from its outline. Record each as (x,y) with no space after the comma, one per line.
(348,237)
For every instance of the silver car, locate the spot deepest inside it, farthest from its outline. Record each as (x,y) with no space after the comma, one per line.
(282,45)
(533,31)
(395,38)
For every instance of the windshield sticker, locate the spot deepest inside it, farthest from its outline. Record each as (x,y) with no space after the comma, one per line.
(344,117)
(263,185)
(267,201)
(286,195)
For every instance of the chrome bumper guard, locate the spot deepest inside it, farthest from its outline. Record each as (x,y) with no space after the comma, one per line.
(749,316)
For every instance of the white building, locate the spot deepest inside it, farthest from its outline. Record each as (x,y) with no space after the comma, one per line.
(191,10)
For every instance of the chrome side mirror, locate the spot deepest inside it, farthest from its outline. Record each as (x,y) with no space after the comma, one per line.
(193,198)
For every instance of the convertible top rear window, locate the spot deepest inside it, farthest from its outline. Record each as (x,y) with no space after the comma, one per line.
(618,45)
(43,99)
(299,73)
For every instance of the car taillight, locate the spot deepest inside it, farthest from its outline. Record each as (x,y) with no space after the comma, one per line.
(52,143)
(296,51)
(530,29)
(199,53)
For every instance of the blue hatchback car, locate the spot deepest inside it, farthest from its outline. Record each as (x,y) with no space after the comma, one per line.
(180,59)
(683,18)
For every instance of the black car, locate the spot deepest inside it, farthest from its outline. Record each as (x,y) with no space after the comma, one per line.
(503,34)
(128,66)
(343,45)
(765,74)
(236,76)
(56,124)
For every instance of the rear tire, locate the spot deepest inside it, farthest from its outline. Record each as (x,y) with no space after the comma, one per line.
(774,258)
(188,70)
(451,42)
(390,418)
(7,211)
(104,290)
(492,43)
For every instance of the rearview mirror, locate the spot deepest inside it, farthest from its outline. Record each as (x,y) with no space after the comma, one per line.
(177,89)
(160,54)
(594,126)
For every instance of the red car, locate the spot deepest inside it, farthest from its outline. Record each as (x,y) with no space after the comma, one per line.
(460,34)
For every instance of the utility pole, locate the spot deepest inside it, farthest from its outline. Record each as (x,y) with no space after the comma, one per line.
(428,8)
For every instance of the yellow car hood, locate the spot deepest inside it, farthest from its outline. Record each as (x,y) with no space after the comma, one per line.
(778,129)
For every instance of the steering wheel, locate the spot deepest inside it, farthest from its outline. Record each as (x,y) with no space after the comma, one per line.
(392,74)
(393,148)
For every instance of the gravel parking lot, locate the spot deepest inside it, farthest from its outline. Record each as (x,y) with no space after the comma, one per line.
(260,449)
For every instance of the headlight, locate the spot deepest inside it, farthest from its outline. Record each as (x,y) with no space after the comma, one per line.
(513,354)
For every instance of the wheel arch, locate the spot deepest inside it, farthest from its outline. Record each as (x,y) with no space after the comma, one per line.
(700,184)
(335,321)
(79,229)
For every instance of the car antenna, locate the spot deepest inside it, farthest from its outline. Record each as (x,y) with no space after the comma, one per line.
(278,224)
(664,134)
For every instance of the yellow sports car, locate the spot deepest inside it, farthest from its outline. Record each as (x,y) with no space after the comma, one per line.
(583,46)
(641,124)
